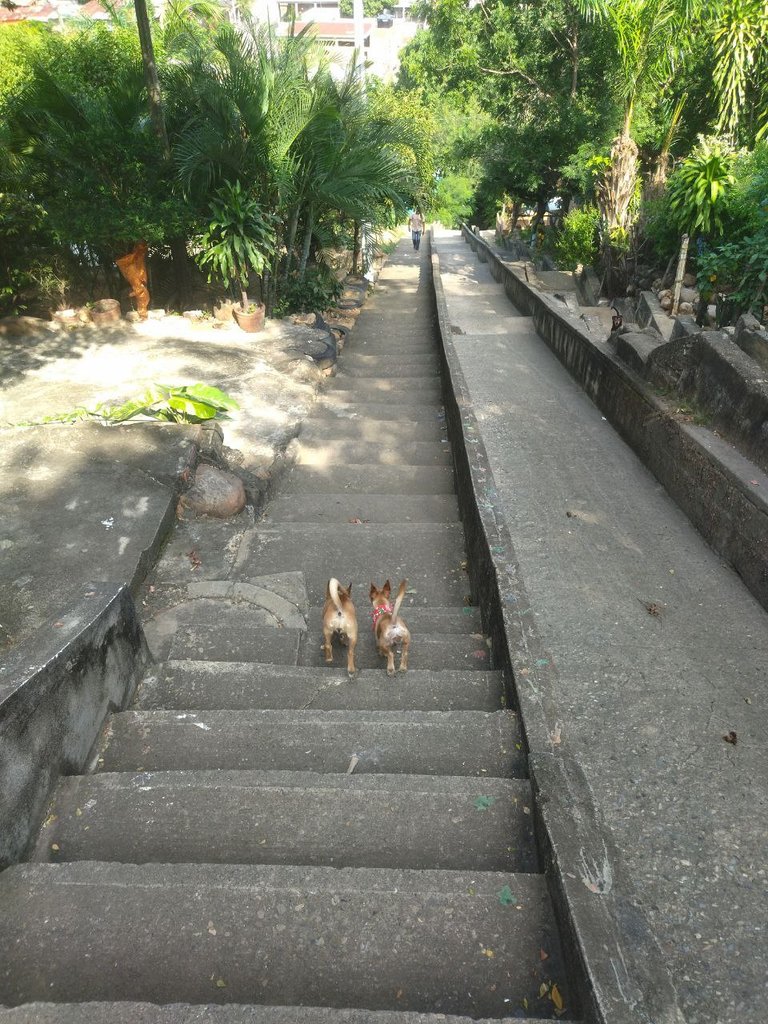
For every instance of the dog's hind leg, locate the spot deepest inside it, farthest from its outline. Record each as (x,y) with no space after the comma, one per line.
(351,670)
(404,655)
(327,648)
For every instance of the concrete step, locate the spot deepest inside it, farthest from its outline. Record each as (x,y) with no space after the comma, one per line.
(362,508)
(445,941)
(388,389)
(383,742)
(213,685)
(428,651)
(365,413)
(247,817)
(234,638)
(362,479)
(208,1013)
(383,365)
(386,451)
(423,620)
(429,555)
(319,426)
(410,408)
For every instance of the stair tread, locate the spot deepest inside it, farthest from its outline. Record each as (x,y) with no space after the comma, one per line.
(407,742)
(389,938)
(385,451)
(251,817)
(205,685)
(367,508)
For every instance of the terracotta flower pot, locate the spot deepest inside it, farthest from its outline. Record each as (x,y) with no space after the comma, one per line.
(251,322)
(106,311)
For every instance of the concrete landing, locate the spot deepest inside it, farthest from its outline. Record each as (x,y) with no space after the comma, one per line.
(660,651)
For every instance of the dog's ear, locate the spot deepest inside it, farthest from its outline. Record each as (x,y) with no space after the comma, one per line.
(387,588)
(349,589)
(372,591)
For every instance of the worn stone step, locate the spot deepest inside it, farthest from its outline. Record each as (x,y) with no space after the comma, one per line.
(385,366)
(362,479)
(387,389)
(319,426)
(234,638)
(362,508)
(449,620)
(428,651)
(214,685)
(386,451)
(208,1013)
(383,742)
(429,555)
(248,817)
(370,413)
(410,408)
(444,941)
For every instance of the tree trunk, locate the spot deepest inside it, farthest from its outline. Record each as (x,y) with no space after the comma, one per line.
(150,76)
(293,226)
(355,246)
(307,242)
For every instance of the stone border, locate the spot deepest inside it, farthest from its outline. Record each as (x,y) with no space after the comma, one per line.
(723,494)
(617,969)
(55,692)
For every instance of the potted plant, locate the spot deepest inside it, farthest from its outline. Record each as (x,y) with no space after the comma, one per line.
(239,239)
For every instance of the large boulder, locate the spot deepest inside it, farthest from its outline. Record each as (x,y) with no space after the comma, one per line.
(215,492)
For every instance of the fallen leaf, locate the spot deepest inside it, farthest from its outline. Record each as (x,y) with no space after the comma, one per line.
(556,998)
(506,897)
(195,559)
(489,953)
(731,737)
(543,989)
(543,955)
(484,802)
(220,983)
(55,847)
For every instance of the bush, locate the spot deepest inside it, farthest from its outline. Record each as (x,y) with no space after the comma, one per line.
(577,242)
(318,290)
(699,188)
(453,200)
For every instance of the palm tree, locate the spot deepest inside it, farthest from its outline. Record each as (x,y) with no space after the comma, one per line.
(741,67)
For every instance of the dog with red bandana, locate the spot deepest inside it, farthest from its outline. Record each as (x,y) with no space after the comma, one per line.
(388,628)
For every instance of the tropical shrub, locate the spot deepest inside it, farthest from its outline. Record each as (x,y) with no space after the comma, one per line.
(319,289)
(699,188)
(577,243)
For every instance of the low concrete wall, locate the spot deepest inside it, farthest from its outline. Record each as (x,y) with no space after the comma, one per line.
(55,692)
(617,973)
(724,495)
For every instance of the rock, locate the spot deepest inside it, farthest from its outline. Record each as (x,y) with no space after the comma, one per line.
(712,315)
(25,326)
(65,317)
(133,317)
(666,301)
(155,314)
(689,281)
(215,492)
(657,285)
(689,295)
(193,314)
(685,307)
(106,311)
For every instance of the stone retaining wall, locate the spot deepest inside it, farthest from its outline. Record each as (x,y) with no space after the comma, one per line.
(724,495)
(55,692)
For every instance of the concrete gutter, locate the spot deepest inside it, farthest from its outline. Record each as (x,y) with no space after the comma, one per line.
(723,494)
(618,968)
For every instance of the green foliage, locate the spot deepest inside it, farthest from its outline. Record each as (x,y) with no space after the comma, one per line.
(741,67)
(319,289)
(239,238)
(189,403)
(453,200)
(699,188)
(577,242)
(370,8)
(737,273)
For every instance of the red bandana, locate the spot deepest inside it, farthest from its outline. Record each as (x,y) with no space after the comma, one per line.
(382,609)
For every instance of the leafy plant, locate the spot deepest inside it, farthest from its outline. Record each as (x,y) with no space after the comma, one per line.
(577,242)
(699,187)
(190,403)
(240,238)
(318,290)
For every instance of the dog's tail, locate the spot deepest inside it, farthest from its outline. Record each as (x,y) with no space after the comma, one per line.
(399,600)
(333,593)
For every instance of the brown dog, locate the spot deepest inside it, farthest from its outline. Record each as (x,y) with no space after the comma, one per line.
(388,628)
(339,619)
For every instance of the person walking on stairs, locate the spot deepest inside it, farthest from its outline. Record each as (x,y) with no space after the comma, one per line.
(416,227)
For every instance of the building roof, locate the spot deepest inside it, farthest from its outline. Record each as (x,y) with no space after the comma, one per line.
(340,29)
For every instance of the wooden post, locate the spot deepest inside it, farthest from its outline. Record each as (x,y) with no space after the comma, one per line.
(680,275)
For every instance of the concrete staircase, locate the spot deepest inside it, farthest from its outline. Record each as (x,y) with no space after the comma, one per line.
(264,839)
